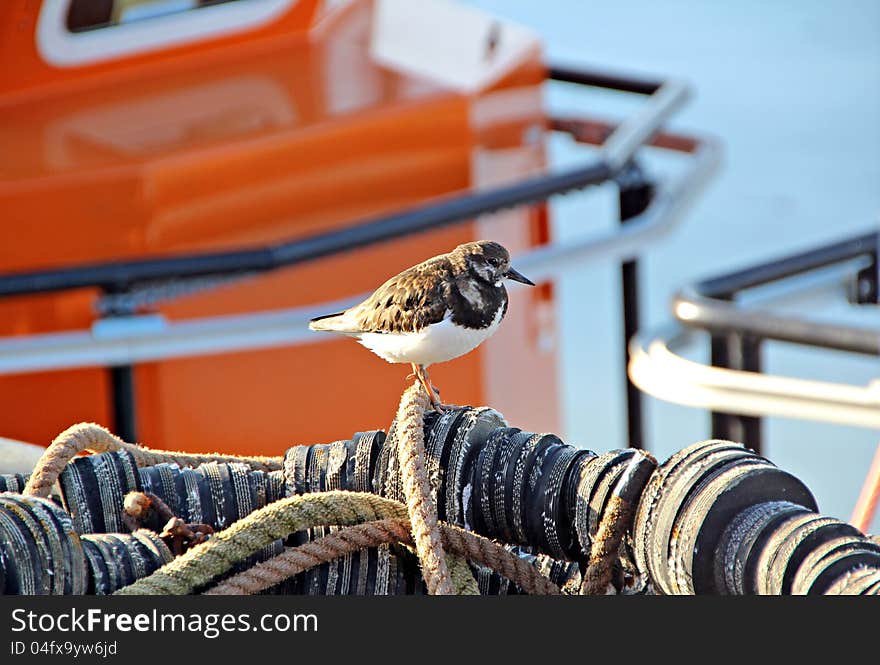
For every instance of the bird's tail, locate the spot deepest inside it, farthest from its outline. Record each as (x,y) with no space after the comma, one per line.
(332,322)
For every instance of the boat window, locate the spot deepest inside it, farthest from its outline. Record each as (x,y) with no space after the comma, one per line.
(97,14)
(72,33)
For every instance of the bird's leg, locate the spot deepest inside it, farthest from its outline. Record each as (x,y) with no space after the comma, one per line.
(433,393)
(434,390)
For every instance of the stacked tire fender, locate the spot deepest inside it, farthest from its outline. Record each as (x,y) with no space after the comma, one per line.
(715,518)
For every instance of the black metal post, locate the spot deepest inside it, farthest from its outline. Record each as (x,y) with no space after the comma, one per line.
(123,403)
(743,352)
(867,284)
(124,407)
(634,197)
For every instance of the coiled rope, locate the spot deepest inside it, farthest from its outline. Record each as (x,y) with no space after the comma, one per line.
(94,437)
(463,543)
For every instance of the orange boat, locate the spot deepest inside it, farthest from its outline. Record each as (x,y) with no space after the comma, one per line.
(186,180)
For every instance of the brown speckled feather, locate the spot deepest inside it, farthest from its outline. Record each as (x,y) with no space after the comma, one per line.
(409,301)
(425,294)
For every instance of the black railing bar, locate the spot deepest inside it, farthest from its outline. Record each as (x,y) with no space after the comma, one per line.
(665,97)
(695,309)
(119,275)
(728,285)
(602,79)
(838,276)
(147,338)
(722,316)
(456,210)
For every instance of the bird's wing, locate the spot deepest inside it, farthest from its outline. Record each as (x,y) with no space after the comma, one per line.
(407,302)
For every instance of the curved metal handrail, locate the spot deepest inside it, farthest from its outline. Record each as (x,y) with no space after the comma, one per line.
(658,370)
(657,221)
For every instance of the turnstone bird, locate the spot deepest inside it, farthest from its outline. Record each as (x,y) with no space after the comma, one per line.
(435,311)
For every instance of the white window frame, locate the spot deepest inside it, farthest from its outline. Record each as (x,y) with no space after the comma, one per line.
(60,47)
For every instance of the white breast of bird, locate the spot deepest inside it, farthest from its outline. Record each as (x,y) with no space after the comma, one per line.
(435,343)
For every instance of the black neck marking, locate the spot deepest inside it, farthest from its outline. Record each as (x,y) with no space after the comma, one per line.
(469,314)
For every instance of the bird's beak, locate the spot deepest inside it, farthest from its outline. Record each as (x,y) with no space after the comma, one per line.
(515,276)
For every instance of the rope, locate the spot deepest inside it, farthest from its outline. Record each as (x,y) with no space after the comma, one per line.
(94,437)
(250,534)
(466,545)
(479,549)
(617,520)
(462,578)
(295,560)
(605,547)
(417,491)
